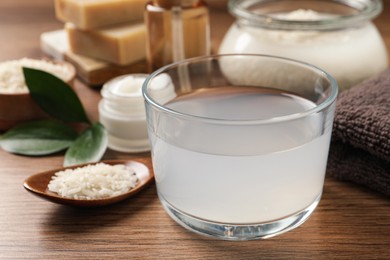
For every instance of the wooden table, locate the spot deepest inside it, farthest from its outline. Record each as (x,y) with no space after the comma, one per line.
(351,222)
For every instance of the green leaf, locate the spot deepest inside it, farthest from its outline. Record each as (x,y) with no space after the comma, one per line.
(88,147)
(54,96)
(38,138)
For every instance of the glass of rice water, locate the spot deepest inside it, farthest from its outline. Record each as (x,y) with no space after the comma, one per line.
(240,147)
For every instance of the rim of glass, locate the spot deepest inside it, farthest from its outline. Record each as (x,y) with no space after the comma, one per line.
(325,103)
(366,10)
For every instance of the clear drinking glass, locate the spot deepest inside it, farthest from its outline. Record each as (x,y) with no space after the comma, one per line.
(240,152)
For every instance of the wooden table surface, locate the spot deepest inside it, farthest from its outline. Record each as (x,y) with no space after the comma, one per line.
(350,222)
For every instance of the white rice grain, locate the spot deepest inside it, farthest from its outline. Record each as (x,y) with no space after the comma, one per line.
(11,73)
(93,181)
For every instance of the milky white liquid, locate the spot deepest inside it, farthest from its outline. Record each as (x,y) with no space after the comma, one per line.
(350,55)
(240,174)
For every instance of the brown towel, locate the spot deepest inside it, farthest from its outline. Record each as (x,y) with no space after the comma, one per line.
(360,148)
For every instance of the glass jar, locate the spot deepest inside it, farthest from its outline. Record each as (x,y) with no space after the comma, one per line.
(122,110)
(337,35)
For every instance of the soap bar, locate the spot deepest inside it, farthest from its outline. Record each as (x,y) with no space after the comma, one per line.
(121,45)
(96,73)
(91,14)
(92,71)
(54,44)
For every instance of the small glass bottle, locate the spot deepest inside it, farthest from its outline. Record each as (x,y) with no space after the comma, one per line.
(335,35)
(176,30)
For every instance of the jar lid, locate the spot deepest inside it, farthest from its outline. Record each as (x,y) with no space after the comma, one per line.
(124,87)
(124,93)
(335,14)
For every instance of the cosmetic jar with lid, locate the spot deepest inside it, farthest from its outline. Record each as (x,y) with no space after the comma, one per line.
(122,111)
(336,35)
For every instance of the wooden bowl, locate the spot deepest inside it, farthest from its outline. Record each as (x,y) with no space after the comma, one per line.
(20,107)
(37,184)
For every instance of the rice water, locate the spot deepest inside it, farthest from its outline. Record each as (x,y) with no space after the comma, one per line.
(235,170)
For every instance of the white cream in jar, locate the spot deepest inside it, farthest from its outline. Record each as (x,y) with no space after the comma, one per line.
(338,36)
(122,110)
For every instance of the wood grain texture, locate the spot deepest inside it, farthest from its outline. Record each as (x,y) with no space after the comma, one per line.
(350,222)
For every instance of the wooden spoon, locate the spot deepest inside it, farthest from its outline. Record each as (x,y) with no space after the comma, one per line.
(37,184)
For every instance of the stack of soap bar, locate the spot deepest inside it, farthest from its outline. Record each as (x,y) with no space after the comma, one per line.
(104,37)
(122,44)
(90,14)
(92,71)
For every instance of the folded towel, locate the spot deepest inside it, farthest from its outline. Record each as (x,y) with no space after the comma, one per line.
(360,147)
